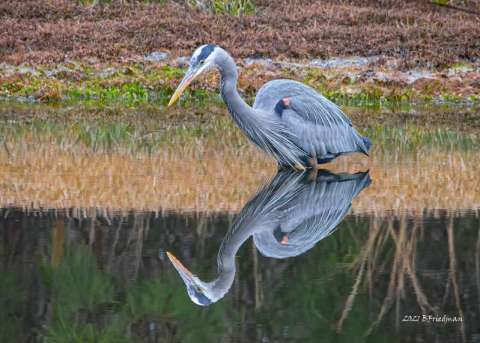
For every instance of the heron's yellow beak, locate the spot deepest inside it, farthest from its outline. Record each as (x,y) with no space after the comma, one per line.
(189,77)
(181,269)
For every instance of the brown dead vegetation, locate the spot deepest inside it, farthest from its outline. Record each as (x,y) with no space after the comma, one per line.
(42,175)
(415,32)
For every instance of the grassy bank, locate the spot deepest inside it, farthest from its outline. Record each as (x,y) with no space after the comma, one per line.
(140,83)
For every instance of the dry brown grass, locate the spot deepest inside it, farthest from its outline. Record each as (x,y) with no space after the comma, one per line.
(54,178)
(416,32)
(45,176)
(425,181)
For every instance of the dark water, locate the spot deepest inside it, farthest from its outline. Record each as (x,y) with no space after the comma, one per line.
(95,276)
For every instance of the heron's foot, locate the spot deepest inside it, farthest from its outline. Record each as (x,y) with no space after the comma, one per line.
(299,167)
(296,167)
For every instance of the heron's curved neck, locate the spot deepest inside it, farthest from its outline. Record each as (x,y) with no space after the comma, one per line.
(232,242)
(237,107)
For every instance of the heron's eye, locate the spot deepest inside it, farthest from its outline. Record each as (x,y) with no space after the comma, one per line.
(202,62)
(198,289)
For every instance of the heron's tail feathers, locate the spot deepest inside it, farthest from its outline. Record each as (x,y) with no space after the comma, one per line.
(368,144)
(364,145)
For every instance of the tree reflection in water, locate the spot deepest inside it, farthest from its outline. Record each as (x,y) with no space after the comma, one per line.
(93,275)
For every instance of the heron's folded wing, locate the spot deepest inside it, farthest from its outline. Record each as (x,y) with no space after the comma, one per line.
(315,108)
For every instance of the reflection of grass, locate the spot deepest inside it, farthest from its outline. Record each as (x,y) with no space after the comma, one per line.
(12,302)
(80,292)
(396,250)
(413,138)
(77,289)
(319,298)
(68,331)
(184,160)
(375,270)
(188,167)
(111,134)
(165,302)
(77,283)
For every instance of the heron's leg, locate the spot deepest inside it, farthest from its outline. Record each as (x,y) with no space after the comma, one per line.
(312,174)
(313,162)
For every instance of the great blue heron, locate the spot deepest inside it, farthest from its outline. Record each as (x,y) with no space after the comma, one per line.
(289,120)
(286,218)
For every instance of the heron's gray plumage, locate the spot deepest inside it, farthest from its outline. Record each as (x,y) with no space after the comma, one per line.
(309,127)
(261,127)
(319,126)
(309,104)
(305,210)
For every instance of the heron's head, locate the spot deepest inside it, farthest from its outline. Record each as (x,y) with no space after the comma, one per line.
(203,59)
(198,291)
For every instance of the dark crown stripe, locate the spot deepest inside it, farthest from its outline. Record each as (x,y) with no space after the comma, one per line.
(206,51)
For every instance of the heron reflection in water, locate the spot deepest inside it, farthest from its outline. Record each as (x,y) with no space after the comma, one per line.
(286,217)
(290,121)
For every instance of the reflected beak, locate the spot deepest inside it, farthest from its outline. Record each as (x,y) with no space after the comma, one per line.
(185,274)
(189,77)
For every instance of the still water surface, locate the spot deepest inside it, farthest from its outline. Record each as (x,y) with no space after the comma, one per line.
(105,247)
(311,272)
